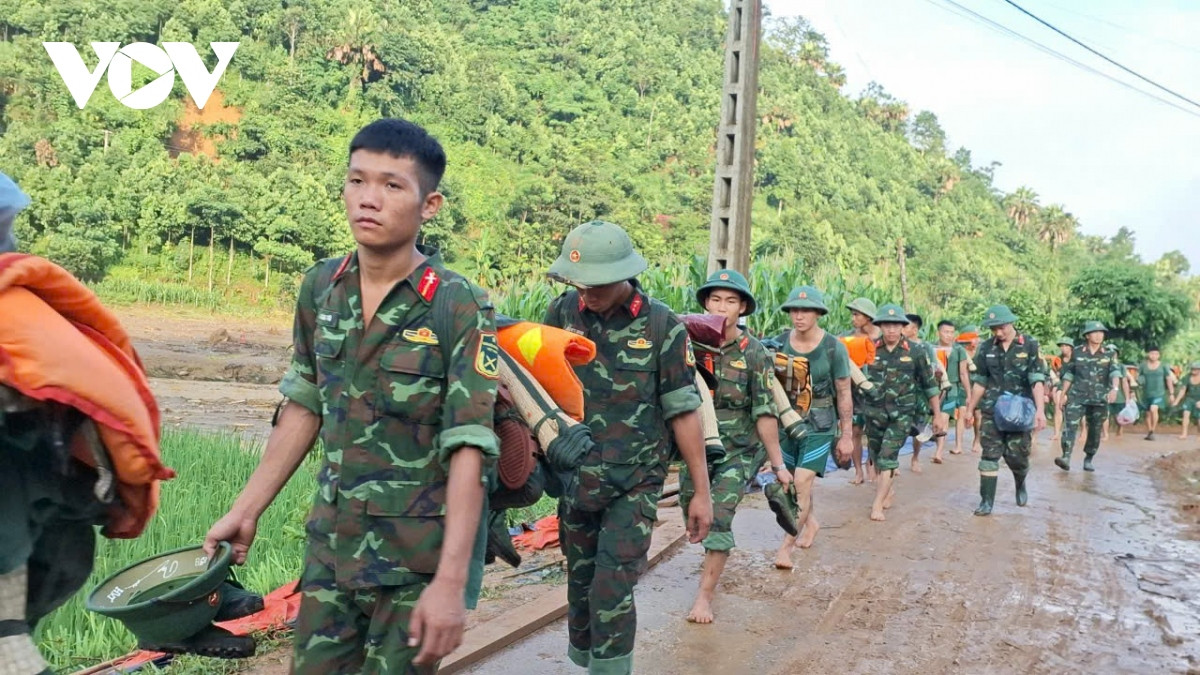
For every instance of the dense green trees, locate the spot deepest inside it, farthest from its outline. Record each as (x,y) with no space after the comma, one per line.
(552,112)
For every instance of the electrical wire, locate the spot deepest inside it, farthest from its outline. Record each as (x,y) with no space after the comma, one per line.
(967,13)
(1136,74)
(1153,37)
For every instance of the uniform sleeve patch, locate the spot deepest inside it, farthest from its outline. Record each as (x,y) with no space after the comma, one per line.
(487,359)
(689,354)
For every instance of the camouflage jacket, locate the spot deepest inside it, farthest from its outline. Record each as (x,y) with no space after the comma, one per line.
(396,400)
(637,382)
(1015,370)
(1091,375)
(743,369)
(903,377)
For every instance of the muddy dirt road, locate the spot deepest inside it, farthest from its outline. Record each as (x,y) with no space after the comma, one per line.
(1097,575)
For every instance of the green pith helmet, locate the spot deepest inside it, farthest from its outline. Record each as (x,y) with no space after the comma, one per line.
(597,253)
(891,313)
(805,297)
(1195,365)
(1092,327)
(167,598)
(998,315)
(863,306)
(729,280)
(1066,341)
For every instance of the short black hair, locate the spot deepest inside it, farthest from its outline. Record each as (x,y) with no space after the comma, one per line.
(915,318)
(402,138)
(1153,348)
(946,322)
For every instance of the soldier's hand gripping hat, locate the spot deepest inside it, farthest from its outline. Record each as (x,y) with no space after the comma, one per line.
(597,253)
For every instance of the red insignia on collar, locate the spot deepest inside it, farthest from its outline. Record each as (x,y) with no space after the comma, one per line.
(342,268)
(744,343)
(581,305)
(429,284)
(635,306)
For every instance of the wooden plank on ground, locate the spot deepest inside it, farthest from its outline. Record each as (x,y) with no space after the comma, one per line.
(488,638)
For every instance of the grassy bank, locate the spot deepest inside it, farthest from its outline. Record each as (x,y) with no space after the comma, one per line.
(211,470)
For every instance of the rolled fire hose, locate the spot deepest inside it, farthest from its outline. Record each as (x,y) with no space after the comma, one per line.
(708,415)
(562,440)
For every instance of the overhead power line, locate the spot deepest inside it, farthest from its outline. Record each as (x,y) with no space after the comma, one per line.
(1136,74)
(1152,37)
(968,13)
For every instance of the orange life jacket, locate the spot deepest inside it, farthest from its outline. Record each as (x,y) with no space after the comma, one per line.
(67,347)
(861,349)
(549,353)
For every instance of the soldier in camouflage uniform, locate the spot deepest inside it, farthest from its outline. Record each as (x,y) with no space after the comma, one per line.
(1009,362)
(395,368)
(640,390)
(901,374)
(1090,381)
(743,369)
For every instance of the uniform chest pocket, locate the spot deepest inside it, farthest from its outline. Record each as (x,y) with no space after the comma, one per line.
(411,380)
(733,388)
(635,382)
(329,352)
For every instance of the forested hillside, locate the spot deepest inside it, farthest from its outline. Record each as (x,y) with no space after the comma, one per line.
(552,112)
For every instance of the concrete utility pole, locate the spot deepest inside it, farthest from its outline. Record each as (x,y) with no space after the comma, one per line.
(729,241)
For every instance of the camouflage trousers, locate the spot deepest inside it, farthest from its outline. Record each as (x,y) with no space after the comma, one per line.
(606,553)
(1094,414)
(1012,446)
(728,486)
(354,630)
(886,434)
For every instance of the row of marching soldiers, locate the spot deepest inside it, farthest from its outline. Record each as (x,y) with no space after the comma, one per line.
(432,411)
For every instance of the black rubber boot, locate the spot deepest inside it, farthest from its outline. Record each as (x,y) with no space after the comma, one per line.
(783,503)
(212,641)
(1022,495)
(237,602)
(1064,462)
(987,495)
(1087,463)
(499,542)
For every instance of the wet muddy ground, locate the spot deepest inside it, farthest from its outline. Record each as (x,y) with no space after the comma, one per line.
(1099,574)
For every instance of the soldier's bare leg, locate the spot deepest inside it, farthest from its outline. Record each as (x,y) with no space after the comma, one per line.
(1151,422)
(805,480)
(976,448)
(856,438)
(960,428)
(714,565)
(916,458)
(883,494)
(1186,418)
(1058,416)
(885,439)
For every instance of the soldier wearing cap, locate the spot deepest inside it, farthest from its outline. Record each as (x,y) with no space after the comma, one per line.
(925,415)
(1009,362)
(1091,380)
(1124,392)
(1188,393)
(958,374)
(862,313)
(829,415)
(743,370)
(969,339)
(1066,347)
(640,391)
(901,374)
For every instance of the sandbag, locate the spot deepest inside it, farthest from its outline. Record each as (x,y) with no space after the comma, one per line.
(549,354)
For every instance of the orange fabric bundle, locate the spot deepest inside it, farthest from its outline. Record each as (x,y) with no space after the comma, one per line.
(968,337)
(1056,363)
(861,348)
(550,354)
(58,343)
(943,355)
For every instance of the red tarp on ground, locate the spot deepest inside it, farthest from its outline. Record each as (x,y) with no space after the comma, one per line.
(544,534)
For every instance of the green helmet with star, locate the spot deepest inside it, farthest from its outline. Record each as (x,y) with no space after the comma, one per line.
(1093,327)
(731,280)
(891,313)
(805,297)
(597,253)
(998,315)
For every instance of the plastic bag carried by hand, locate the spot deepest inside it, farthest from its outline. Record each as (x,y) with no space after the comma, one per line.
(1128,414)
(1015,413)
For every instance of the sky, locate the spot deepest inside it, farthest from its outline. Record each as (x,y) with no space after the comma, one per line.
(1111,156)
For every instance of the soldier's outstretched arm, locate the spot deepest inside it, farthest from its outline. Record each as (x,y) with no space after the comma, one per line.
(291,438)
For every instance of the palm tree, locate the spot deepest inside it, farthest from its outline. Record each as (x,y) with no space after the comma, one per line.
(1056,226)
(356,44)
(1022,206)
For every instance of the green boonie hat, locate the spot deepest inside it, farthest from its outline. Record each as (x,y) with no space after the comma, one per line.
(998,315)
(864,306)
(597,253)
(730,280)
(1092,327)
(1195,365)
(891,313)
(1066,341)
(805,297)
(167,598)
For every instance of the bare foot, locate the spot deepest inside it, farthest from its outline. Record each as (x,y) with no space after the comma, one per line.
(1054,437)
(1183,437)
(858,479)
(1104,437)
(887,501)
(976,450)
(701,610)
(810,532)
(916,468)
(937,459)
(877,515)
(956,451)
(783,557)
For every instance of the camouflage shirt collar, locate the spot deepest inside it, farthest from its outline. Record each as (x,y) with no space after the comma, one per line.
(433,259)
(637,304)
